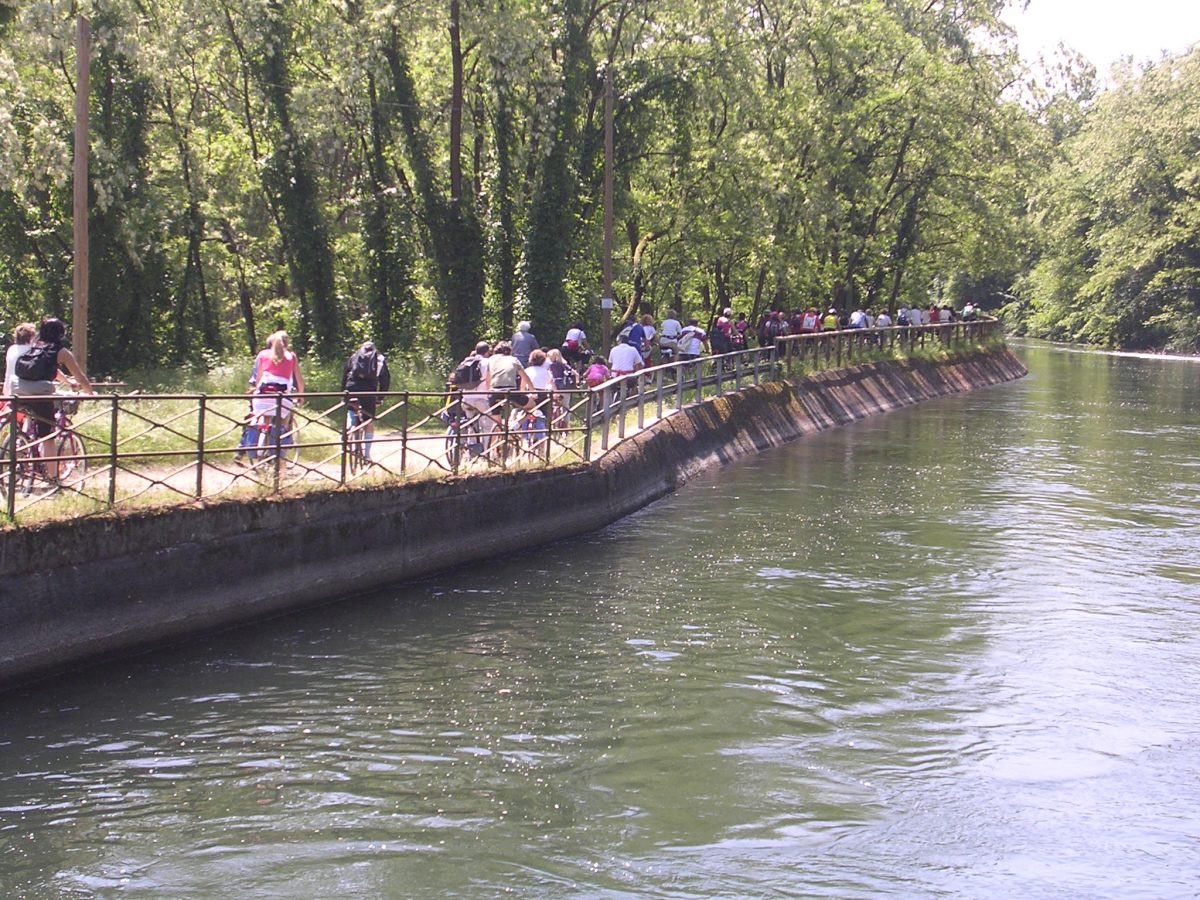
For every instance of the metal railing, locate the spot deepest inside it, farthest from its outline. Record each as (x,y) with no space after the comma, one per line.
(809,353)
(135,450)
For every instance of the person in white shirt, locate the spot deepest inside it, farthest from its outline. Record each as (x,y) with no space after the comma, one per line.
(23,336)
(649,333)
(575,345)
(542,379)
(668,341)
(882,321)
(625,359)
(692,340)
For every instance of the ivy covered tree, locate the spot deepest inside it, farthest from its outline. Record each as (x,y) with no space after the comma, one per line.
(427,173)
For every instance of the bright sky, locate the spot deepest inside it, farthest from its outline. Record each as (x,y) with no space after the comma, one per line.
(1105,30)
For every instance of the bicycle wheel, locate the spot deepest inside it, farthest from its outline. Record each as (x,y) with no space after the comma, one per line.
(69,444)
(453,448)
(21,477)
(268,441)
(354,450)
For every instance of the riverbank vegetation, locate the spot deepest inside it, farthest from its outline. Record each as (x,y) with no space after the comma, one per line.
(1118,218)
(430,172)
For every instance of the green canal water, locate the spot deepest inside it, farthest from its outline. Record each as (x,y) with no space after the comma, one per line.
(951,651)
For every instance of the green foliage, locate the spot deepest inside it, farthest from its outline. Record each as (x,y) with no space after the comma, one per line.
(427,173)
(1120,212)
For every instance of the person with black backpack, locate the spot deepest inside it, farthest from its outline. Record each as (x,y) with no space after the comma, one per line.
(468,396)
(39,368)
(365,372)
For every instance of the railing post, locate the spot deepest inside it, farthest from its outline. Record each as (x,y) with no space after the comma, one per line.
(605,415)
(505,447)
(11,462)
(699,379)
(458,431)
(200,446)
(737,372)
(719,371)
(587,433)
(658,391)
(622,391)
(549,425)
(345,429)
(678,385)
(278,419)
(641,402)
(757,360)
(404,434)
(114,418)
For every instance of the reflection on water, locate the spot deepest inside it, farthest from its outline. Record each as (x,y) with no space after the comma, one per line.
(946,651)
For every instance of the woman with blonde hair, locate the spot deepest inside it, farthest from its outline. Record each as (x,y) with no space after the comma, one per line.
(277,371)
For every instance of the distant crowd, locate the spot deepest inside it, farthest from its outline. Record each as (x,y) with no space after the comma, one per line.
(520,372)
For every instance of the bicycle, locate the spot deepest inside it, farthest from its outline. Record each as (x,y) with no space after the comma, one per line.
(463,432)
(66,458)
(275,433)
(528,426)
(18,466)
(356,440)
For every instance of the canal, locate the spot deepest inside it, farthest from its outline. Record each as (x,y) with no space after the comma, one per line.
(948,651)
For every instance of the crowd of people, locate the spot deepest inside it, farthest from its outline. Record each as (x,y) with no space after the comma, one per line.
(496,378)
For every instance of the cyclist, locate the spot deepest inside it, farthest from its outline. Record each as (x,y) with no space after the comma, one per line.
(565,376)
(649,339)
(692,340)
(38,369)
(365,372)
(542,380)
(468,378)
(506,382)
(22,342)
(575,346)
(277,371)
(668,339)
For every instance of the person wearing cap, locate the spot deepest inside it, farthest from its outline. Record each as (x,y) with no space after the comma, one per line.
(365,372)
(523,343)
(830,322)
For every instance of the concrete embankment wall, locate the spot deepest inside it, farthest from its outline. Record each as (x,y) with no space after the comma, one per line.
(75,592)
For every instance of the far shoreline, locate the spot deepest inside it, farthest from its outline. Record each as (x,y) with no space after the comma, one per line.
(1068,347)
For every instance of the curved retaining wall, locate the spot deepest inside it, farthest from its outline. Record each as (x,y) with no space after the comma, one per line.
(76,592)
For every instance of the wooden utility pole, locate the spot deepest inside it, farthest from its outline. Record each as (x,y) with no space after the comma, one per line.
(79,318)
(606,301)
